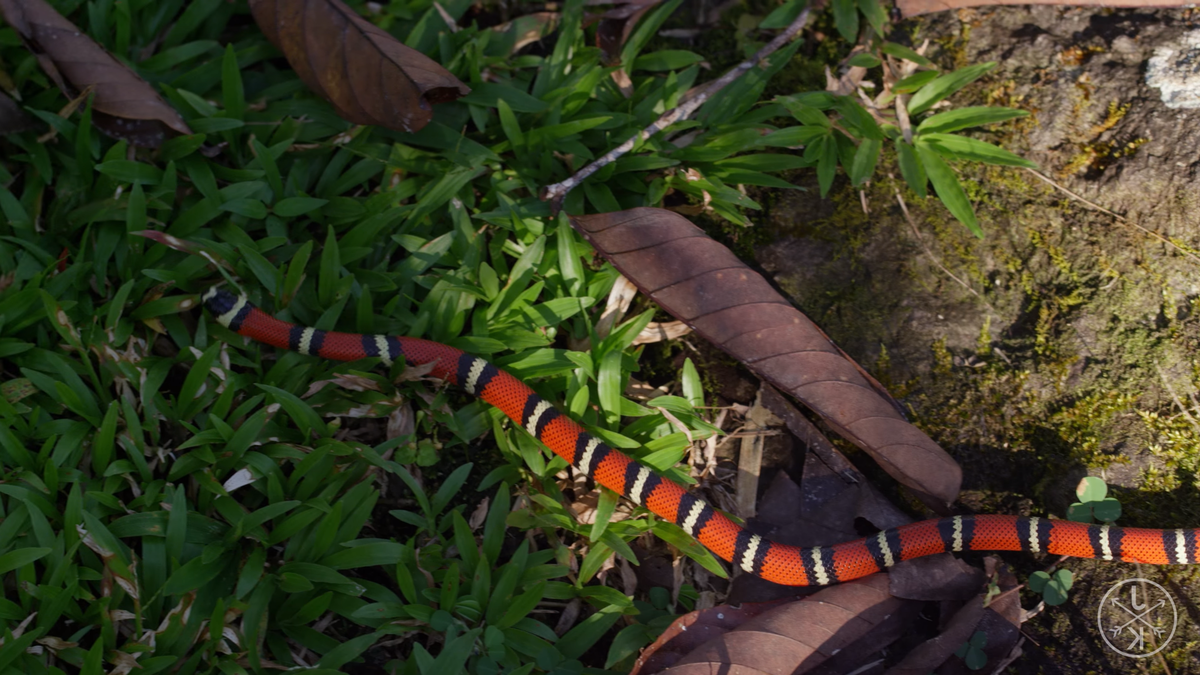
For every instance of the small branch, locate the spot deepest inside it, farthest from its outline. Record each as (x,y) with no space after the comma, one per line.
(1174,397)
(928,252)
(1119,218)
(555,193)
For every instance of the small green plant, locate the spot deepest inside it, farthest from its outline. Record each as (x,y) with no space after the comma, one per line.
(1053,587)
(1094,503)
(971,651)
(848,127)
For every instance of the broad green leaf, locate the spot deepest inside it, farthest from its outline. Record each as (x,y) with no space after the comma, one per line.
(127,171)
(667,59)
(915,81)
(521,605)
(605,506)
(588,632)
(964,118)
(875,14)
(945,85)
(609,383)
(298,410)
(952,146)
(949,190)
(1106,510)
(827,163)
(863,60)
(902,52)
(791,136)
(782,17)
(20,558)
(865,159)
(231,84)
(911,168)
(1091,489)
(297,206)
(845,17)
(348,651)
(195,574)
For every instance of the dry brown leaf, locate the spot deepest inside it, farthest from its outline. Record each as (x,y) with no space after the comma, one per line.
(658,332)
(12,118)
(914,7)
(369,76)
(798,637)
(692,630)
(525,30)
(125,105)
(617,24)
(703,284)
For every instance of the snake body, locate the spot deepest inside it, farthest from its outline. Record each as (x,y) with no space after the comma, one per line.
(780,563)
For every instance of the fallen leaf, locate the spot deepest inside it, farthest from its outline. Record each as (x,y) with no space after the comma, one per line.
(692,630)
(1000,621)
(125,106)
(12,118)
(703,284)
(369,76)
(658,332)
(914,7)
(933,652)
(798,637)
(936,577)
(617,24)
(515,35)
(872,506)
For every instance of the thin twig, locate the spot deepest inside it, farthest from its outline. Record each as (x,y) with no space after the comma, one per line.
(928,252)
(1117,216)
(1171,390)
(555,193)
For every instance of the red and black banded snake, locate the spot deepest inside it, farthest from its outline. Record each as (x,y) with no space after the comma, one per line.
(780,563)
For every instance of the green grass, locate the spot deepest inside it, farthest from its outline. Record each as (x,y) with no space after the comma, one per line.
(176,495)
(173,494)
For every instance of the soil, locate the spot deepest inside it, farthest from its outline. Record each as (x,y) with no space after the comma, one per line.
(1064,343)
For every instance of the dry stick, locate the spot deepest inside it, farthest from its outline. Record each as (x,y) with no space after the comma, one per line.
(1171,390)
(928,252)
(1117,216)
(555,193)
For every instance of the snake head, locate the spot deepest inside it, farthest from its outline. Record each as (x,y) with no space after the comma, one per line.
(218,301)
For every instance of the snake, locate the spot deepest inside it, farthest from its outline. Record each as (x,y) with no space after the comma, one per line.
(751,553)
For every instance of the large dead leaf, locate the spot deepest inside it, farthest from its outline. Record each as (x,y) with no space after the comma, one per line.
(703,284)
(872,506)
(125,106)
(690,631)
(12,118)
(914,7)
(846,620)
(368,75)
(515,35)
(616,25)
(1000,622)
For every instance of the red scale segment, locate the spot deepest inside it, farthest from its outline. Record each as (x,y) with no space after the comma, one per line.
(664,501)
(1146,546)
(342,347)
(785,565)
(1069,538)
(720,536)
(995,533)
(853,559)
(508,394)
(920,539)
(561,435)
